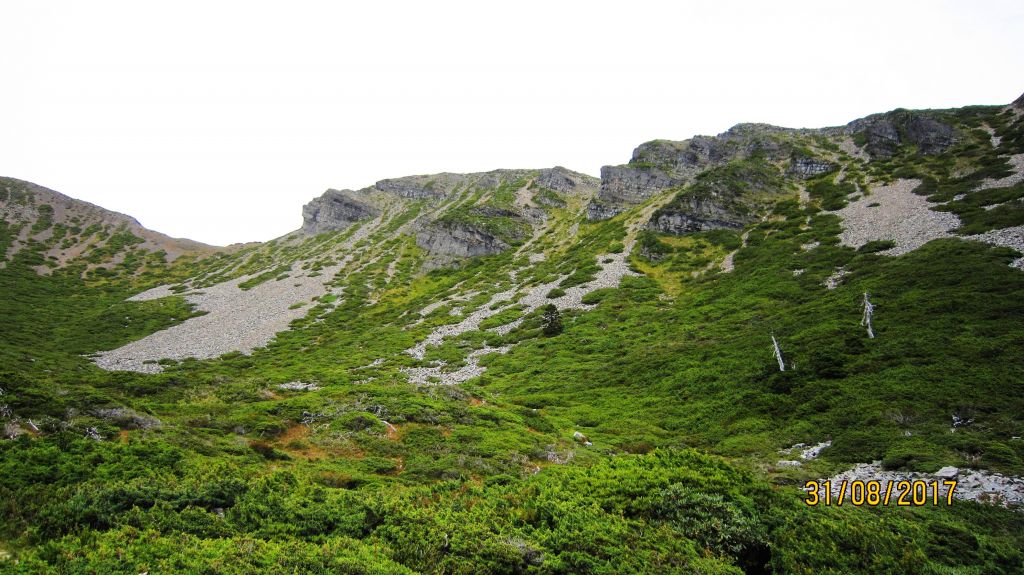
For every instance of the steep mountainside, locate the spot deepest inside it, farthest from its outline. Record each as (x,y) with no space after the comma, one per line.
(62,230)
(538,371)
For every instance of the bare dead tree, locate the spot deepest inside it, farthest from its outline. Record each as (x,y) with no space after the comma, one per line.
(869,310)
(778,353)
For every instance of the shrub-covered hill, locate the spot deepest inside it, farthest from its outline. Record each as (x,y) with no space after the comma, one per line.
(388,389)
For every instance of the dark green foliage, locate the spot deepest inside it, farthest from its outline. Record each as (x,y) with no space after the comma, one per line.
(876,246)
(831,195)
(551,321)
(989,209)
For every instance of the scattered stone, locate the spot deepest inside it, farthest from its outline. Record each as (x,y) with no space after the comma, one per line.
(127,418)
(1006,237)
(993,138)
(12,430)
(556,457)
(788,463)
(727,264)
(947,472)
(972,485)
(833,281)
(1017,161)
(436,375)
(298,386)
(814,451)
(579,437)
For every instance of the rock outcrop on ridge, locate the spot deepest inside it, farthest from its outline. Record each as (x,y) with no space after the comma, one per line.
(335,210)
(461,215)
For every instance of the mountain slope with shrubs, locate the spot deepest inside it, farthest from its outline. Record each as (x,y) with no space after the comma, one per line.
(533,371)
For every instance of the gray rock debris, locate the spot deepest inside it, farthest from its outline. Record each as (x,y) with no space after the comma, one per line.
(972,485)
(806,453)
(1017,161)
(436,375)
(902,217)
(613,268)
(127,418)
(298,386)
(1006,237)
(814,451)
(833,281)
(236,319)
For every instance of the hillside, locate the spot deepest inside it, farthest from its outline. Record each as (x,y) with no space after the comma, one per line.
(536,370)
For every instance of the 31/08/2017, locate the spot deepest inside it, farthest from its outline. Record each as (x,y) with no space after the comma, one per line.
(876,493)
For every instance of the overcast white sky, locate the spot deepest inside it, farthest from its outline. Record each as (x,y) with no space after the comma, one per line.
(217,120)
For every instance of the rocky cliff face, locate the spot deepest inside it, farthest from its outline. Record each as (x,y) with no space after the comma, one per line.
(883,134)
(626,186)
(693,214)
(663,164)
(459,240)
(564,181)
(335,210)
(728,196)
